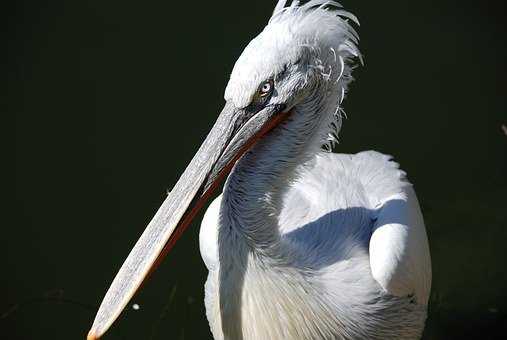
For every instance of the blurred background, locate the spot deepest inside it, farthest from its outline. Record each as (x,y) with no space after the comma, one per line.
(110,100)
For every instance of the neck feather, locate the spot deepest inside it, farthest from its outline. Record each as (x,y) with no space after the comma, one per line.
(249,239)
(254,191)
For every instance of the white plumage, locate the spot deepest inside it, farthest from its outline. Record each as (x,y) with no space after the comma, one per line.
(315,245)
(377,286)
(302,243)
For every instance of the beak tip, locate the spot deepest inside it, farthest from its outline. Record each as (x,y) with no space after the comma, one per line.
(91,336)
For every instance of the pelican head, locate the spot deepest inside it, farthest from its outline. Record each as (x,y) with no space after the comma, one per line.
(305,55)
(297,69)
(294,52)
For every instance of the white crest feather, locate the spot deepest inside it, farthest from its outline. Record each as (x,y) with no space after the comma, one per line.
(319,28)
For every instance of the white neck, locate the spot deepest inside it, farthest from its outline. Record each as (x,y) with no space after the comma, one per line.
(254,191)
(250,245)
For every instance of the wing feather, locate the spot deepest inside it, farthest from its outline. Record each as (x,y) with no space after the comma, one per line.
(399,252)
(398,247)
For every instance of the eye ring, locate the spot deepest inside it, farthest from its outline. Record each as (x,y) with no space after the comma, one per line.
(266,88)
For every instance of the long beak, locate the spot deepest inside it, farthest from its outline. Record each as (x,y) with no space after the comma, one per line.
(234,132)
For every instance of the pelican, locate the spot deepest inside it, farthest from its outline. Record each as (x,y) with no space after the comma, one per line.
(302,243)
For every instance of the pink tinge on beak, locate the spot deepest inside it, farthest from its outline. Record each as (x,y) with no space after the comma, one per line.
(211,164)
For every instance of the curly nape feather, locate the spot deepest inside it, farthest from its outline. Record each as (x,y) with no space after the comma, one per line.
(309,15)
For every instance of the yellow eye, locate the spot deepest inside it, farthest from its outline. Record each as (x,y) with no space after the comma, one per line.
(266,88)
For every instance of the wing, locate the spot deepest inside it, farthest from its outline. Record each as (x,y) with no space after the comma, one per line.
(208,235)
(399,252)
(366,190)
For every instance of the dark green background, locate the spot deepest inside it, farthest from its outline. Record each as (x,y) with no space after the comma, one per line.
(112,98)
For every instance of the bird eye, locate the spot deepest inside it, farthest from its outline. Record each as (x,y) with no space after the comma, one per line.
(266,88)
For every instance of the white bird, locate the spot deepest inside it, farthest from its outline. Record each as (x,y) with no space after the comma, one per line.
(302,243)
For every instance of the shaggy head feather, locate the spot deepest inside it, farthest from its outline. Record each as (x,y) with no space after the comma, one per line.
(302,45)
